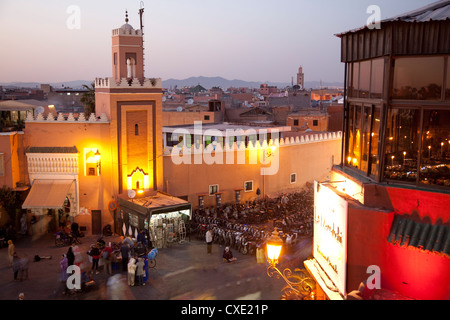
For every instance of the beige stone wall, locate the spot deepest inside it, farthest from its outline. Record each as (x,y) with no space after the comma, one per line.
(309,160)
(95,192)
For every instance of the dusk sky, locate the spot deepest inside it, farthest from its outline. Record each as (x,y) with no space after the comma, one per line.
(252,40)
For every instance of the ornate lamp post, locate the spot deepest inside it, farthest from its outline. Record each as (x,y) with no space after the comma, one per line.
(299,285)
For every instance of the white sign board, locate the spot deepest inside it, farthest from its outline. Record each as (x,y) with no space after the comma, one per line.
(330,234)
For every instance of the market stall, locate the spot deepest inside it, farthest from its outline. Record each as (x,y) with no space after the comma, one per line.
(164,218)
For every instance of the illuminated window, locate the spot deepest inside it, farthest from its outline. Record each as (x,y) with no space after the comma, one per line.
(418,152)
(363,138)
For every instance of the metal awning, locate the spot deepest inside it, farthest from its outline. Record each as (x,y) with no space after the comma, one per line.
(47,194)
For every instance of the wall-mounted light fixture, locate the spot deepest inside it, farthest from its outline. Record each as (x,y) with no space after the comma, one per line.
(97,157)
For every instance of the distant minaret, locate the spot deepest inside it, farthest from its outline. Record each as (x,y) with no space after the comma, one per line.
(300,78)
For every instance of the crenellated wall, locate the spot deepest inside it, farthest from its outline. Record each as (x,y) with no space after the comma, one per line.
(110,83)
(69,119)
(188,172)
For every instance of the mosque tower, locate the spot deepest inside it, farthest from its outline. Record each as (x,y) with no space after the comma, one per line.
(133,105)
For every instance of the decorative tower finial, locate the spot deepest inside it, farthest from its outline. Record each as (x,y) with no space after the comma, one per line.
(126,16)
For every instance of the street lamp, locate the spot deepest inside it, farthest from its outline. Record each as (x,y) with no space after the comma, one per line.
(299,284)
(274,245)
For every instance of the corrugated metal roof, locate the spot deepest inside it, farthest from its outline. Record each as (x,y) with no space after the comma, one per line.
(436,11)
(408,232)
(439,10)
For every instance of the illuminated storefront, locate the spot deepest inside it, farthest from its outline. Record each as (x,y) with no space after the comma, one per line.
(164,218)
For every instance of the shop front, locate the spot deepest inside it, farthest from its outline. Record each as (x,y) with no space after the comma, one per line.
(50,204)
(328,267)
(165,219)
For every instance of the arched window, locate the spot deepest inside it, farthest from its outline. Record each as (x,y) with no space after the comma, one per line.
(131,68)
(136,129)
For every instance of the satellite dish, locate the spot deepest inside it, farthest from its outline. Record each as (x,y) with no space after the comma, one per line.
(179,109)
(164,99)
(131,194)
(190,101)
(39,110)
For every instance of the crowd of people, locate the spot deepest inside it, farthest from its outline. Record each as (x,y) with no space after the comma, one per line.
(129,256)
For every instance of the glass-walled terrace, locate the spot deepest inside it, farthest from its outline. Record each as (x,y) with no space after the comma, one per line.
(402,135)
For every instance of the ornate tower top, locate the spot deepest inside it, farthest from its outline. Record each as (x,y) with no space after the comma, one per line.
(128,53)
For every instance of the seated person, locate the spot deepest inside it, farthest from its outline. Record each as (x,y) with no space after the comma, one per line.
(75,230)
(228,255)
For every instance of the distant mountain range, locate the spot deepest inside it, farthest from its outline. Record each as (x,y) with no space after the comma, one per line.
(209,82)
(206,82)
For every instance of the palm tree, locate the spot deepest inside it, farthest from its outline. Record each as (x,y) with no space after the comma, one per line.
(88,99)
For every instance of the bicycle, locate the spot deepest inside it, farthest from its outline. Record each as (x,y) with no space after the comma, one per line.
(63,239)
(152,258)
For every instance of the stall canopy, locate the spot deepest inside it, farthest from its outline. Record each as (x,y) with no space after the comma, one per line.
(47,194)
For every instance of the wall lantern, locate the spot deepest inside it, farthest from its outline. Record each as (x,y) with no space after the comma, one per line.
(270,151)
(97,157)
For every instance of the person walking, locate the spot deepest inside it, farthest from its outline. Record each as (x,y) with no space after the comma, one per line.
(125,252)
(107,259)
(23,272)
(140,272)
(63,265)
(70,256)
(142,238)
(95,254)
(24,224)
(209,239)
(131,272)
(16,266)
(11,251)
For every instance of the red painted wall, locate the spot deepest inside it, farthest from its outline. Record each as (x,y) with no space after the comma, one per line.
(433,205)
(414,273)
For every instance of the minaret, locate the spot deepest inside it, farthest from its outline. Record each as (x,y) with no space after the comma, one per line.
(127,53)
(301,78)
(133,105)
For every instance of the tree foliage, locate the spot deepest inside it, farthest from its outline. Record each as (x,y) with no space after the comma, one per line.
(88,99)
(9,200)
